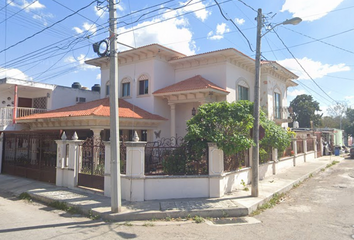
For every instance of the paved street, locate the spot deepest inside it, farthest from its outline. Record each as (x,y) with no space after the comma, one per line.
(320,208)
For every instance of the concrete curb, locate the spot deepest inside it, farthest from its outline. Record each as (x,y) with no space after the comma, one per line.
(101,209)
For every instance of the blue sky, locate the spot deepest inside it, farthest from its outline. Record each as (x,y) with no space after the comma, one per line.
(46,41)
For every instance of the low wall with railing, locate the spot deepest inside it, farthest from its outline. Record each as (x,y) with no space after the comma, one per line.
(138,183)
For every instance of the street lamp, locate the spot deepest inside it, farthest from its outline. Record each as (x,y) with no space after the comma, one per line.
(255,152)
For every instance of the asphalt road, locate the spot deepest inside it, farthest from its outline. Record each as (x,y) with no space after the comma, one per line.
(322,207)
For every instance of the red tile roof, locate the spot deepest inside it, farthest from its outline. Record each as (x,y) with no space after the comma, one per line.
(96,108)
(193,83)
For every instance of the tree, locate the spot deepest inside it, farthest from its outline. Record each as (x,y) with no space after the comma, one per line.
(349,127)
(305,108)
(229,125)
(338,111)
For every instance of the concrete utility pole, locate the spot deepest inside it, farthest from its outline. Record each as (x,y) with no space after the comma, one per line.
(114,118)
(255,152)
(256,106)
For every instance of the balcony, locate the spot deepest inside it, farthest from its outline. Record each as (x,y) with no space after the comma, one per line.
(6,114)
(282,115)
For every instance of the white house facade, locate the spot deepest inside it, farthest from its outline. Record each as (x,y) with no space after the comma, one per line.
(170,84)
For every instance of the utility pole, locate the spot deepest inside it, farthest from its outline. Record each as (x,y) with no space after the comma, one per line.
(114,118)
(256,106)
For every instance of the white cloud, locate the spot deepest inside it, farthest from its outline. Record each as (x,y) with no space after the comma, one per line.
(239,21)
(43,18)
(155,31)
(27,6)
(100,12)
(310,10)
(98,77)
(80,61)
(86,27)
(13,73)
(315,69)
(221,29)
(296,92)
(198,7)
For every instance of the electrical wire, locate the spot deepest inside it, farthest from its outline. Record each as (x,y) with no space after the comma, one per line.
(229,19)
(302,66)
(33,35)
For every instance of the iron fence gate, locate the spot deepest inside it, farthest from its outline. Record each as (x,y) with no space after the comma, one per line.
(91,165)
(31,155)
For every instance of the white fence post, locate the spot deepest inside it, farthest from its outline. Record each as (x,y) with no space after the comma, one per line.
(107,169)
(135,171)
(216,169)
(274,159)
(304,142)
(62,158)
(295,150)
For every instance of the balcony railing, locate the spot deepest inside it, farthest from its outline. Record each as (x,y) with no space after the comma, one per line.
(6,113)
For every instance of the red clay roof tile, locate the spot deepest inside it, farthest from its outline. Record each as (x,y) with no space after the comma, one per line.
(193,83)
(96,108)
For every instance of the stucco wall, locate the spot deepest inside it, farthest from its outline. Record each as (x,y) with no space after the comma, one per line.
(66,96)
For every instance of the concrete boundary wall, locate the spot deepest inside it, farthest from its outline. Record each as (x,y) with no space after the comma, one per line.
(136,186)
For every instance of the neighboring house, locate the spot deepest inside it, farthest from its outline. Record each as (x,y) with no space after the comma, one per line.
(21,98)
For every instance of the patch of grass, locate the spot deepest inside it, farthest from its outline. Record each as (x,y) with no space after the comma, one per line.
(168,219)
(128,224)
(74,210)
(198,219)
(189,216)
(323,169)
(59,205)
(148,224)
(311,175)
(270,204)
(25,196)
(225,214)
(332,164)
(296,185)
(93,216)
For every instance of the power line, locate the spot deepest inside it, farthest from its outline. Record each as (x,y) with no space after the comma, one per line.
(33,35)
(302,66)
(229,19)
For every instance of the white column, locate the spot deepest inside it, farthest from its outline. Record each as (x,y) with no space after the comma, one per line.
(216,169)
(304,144)
(136,170)
(1,149)
(295,150)
(107,169)
(73,161)
(274,159)
(61,160)
(173,119)
(315,146)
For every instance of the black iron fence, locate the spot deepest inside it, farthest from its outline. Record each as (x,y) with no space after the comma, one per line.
(172,156)
(236,161)
(32,155)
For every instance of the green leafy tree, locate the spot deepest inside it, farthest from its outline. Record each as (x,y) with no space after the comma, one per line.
(229,126)
(349,126)
(305,108)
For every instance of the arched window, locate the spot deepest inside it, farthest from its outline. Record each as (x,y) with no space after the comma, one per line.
(243,92)
(125,87)
(277,103)
(143,81)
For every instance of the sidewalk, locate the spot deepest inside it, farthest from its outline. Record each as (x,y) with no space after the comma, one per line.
(235,204)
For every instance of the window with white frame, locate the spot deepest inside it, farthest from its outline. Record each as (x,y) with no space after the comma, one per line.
(277,105)
(125,87)
(143,85)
